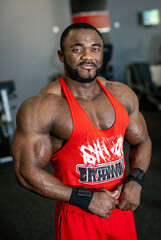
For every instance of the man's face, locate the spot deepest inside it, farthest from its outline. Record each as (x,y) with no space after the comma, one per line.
(83,55)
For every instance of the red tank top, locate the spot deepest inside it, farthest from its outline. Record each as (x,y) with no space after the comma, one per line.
(92,158)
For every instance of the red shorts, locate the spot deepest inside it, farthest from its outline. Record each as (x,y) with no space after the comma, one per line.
(73,223)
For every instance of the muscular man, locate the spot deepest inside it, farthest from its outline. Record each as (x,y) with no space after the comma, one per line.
(79,123)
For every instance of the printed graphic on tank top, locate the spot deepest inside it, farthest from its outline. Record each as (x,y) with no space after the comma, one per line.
(92,158)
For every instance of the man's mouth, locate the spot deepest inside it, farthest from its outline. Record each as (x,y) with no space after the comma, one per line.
(87,65)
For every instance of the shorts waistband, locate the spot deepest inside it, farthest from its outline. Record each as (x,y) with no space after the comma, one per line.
(68,207)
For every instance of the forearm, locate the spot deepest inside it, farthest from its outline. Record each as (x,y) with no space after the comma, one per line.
(140,155)
(30,156)
(43,183)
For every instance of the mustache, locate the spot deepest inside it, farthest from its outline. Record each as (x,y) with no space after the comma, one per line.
(87,62)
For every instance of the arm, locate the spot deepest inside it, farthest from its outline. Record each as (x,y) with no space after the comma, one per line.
(31,150)
(140,154)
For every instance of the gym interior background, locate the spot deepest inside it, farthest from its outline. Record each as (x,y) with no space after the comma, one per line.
(30,32)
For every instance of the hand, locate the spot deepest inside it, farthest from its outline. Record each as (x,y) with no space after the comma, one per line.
(103,203)
(130,197)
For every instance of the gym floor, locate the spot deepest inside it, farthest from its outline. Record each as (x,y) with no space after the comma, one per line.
(24,215)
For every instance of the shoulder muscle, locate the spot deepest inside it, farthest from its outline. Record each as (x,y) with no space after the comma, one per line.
(123,93)
(35,114)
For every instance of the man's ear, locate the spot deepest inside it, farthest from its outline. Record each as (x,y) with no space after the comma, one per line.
(61,55)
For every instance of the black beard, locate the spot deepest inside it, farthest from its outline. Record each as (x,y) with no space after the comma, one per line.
(74,73)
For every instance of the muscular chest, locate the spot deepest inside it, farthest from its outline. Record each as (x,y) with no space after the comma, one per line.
(99,111)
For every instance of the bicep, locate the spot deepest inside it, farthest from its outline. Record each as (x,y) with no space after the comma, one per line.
(31,145)
(29,151)
(136,131)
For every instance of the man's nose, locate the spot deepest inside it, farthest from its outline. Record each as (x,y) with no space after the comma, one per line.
(87,55)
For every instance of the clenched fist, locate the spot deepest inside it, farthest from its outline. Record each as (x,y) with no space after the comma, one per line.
(103,202)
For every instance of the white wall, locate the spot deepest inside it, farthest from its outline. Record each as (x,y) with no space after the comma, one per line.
(28,47)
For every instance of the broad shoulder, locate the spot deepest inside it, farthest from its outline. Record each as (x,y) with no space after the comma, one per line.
(123,94)
(52,88)
(38,112)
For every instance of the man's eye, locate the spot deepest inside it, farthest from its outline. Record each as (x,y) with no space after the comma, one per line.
(96,49)
(77,50)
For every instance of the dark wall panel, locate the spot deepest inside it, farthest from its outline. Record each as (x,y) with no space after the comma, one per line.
(88,5)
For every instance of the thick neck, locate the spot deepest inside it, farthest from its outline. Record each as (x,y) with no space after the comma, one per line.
(83,90)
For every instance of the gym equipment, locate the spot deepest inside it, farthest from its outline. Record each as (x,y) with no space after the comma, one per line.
(140,80)
(6,125)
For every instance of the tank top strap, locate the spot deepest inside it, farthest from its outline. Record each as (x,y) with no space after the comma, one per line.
(79,117)
(72,102)
(112,99)
(120,112)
